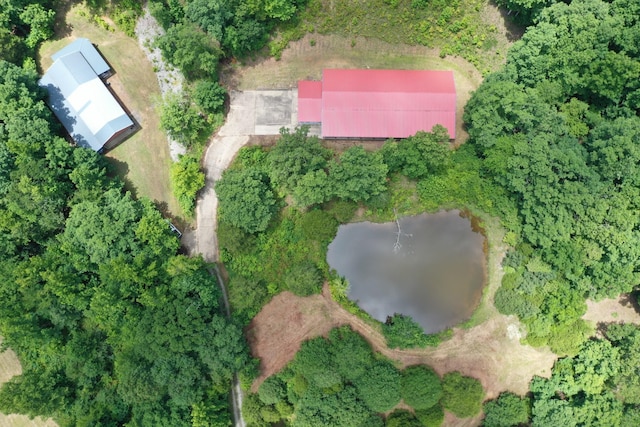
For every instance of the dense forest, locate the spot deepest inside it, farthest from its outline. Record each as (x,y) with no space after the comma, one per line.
(113,326)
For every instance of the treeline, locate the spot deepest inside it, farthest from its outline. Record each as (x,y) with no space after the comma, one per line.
(598,386)
(558,130)
(339,381)
(111,325)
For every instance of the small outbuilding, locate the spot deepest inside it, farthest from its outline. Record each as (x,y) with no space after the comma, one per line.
(378,103)
(81,100)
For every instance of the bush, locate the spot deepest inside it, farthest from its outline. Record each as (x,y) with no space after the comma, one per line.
(420,387)
(319,225)
(379,388)
(187,179)
(209,96)
(403,332)
(506,411)
(432,417)
(342,210)
(182,121)
(303,279)
(246,199)
(402,418)
(462,395)
(272,391)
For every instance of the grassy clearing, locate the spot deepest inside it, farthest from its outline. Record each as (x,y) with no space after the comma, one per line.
(143,160)
(306,60)
(472,29)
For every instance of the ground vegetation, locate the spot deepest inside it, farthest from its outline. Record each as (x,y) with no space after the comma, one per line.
(111,324)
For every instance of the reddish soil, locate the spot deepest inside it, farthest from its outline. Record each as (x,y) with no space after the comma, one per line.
(486,352)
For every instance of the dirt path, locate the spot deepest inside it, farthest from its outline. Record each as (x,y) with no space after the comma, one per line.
(490,351)
(622,309)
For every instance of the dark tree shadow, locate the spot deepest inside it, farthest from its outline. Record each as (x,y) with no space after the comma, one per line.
(515,29)
(61,28)
(631,300)
(119,169)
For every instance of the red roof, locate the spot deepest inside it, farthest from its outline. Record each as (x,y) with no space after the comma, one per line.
(309,101)
(383,103)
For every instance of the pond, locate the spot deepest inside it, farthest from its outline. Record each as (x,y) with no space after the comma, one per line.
(430,267)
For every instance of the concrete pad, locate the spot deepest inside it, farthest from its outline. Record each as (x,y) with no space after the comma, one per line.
(241,118)
(275,109)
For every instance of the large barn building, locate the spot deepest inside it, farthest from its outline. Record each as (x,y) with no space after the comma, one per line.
(80,99)
(378,103)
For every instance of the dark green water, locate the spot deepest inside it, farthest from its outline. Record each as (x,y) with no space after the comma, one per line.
(434,274)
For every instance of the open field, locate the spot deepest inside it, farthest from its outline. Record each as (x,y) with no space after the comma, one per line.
(487,347)
(143,160)
(9,367)
(304,61)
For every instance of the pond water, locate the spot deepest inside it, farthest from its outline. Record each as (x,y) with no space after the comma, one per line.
(433,270)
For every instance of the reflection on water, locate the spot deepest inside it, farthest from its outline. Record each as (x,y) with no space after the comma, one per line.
(435,274)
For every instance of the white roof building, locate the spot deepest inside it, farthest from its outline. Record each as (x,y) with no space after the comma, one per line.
(81,100)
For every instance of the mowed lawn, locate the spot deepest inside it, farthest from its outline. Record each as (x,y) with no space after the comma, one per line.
(143,160)
(9,367)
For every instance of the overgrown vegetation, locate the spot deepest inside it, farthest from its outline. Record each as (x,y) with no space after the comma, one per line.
(340,381)
(559,137)
(111,325)
(456,27)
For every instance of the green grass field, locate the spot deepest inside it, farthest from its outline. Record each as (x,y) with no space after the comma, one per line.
(143,160)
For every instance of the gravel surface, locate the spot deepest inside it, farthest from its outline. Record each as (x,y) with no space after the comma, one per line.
(169,79)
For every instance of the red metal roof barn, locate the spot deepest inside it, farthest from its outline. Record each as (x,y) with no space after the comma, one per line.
(378,103)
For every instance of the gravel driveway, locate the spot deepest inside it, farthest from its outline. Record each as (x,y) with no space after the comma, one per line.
(251,113)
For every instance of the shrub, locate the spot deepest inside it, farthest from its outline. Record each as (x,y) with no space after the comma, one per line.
(379,388)
(402,331)
(420,387)
(432,417)
(319,225)
(506,411)
(187,179)
(272,391)
(209,96)
(303,279)
(462,395)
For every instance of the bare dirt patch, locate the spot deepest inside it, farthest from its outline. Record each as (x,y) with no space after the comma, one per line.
(623,309)
(307,57)
(485,351)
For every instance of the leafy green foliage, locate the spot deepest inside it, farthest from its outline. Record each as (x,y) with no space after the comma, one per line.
(380,387)
(432,417)
(303,279)
(209,96)
(182,121)
(246,200)
(402,331)
(294,156)
(506,411)
(461,395)
(112,327)
(402,418)
(187,179)
(188,48)
(420,155)
(358,175)
(334,381)
(420,387)
(583,390)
